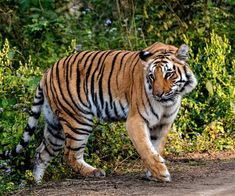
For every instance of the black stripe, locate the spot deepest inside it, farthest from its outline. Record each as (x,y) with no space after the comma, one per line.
(68,68)
(39,88)
(29,130)
(122,107)
(54,144)
(153,137)
(56,150)
(82,131)
(98,110)
(85,79)
(65,59)
(73,116)
(179,71)
(47,150)
(57,136)
(170,114)
(158,127)
(109,78)
(72,63)
(38,96)
(150,106)
(143,97)
(77,148)
(107,110)
(66,75)
(40,93)
(100,79)
(50,86)
(187,82)
(120,66)
(145,120)
(89,69)
(131,65)
(79,131)
(23,143)
(36,115)
(78,80)
(53,126)
(72,138)
(115,110)
(163,61)
(38,103)
(93,94)
(171,99)
(132,72)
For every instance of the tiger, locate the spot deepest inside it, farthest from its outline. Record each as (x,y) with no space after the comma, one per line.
(145,88)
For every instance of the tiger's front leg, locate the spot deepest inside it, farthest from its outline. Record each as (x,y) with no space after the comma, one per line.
(139,135)
(158,137)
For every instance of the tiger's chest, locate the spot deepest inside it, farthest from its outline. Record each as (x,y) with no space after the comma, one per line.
(159,114)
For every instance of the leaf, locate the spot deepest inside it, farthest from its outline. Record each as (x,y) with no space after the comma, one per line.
(145,12)
(232,106)
(209,87)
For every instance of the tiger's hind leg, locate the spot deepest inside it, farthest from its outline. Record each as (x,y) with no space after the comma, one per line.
(52,143)
(76,139)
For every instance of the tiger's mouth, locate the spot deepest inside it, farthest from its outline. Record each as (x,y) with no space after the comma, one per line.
(166,98)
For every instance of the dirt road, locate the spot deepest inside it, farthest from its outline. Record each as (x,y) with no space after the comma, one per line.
(189,177)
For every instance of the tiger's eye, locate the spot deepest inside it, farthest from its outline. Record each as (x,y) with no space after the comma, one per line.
(150,76)
(169,74)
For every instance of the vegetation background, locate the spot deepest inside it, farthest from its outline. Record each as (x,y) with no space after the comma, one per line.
(36,33)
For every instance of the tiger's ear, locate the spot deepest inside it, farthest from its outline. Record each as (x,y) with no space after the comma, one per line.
(182,52)
(145,56)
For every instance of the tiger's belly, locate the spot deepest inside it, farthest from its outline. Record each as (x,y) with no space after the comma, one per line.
(156,113)
(111,111)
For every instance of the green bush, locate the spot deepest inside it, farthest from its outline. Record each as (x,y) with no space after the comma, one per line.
(17,86)
(207,117)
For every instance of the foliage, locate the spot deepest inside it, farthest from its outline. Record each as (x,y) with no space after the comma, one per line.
(34,34)
(16,85)
(206,119)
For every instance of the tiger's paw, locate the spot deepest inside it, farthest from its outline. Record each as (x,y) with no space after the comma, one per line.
(158,170)
(95,173)
(98,173)
(165,178)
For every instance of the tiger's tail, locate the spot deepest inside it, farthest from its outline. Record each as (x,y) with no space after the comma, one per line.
(31,125)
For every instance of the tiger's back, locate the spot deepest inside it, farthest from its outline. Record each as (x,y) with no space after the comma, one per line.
(93,83)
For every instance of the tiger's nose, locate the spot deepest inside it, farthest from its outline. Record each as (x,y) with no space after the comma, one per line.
(159,94)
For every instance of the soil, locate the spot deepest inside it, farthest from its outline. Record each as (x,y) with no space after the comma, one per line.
(194,174)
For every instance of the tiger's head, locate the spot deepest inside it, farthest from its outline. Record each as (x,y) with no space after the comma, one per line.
(167,74)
